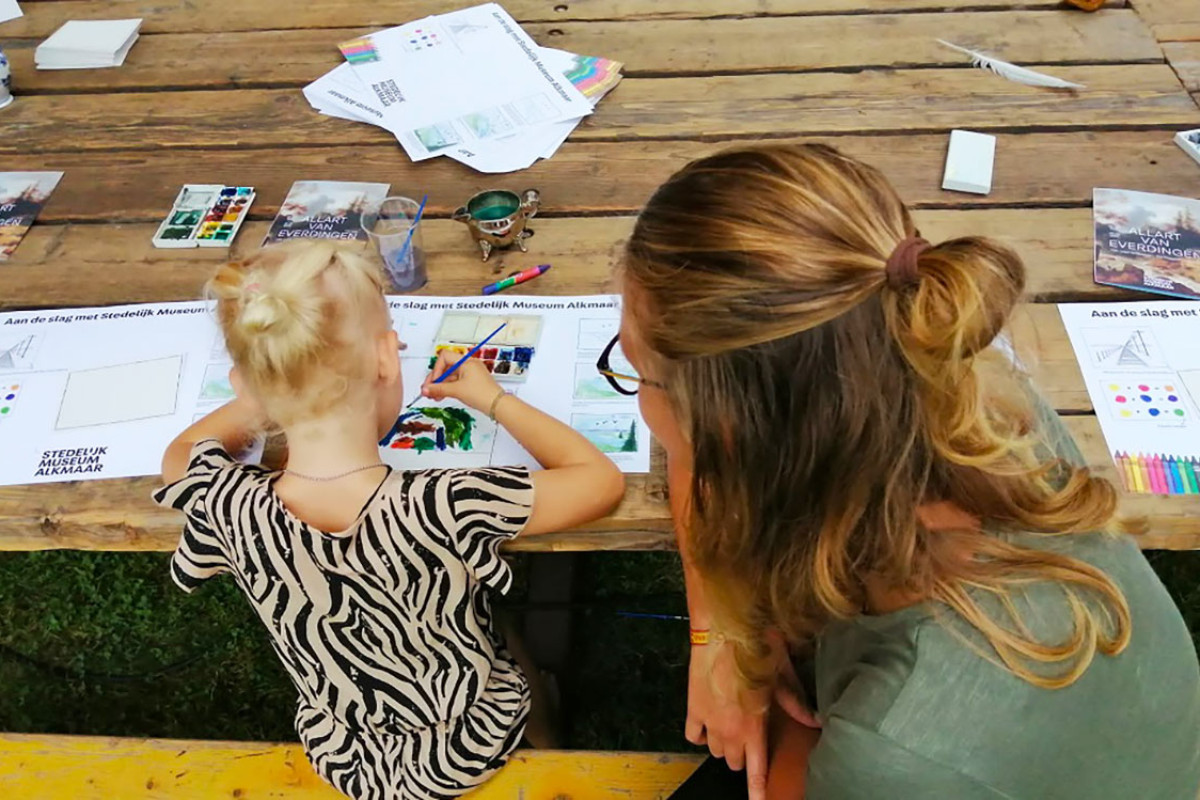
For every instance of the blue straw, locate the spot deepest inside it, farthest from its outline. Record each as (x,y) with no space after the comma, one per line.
(411,230)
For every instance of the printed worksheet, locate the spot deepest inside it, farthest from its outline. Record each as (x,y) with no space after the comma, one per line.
(543,349)
(1141,364)
(426,81)
(94,393)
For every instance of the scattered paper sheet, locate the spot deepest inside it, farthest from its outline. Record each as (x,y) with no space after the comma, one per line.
(9,10)
(421,82)
(1140,364)
(92,393)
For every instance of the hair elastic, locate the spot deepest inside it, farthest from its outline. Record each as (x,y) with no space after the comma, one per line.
(902,265)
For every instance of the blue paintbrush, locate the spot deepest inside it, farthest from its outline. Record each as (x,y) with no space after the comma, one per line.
(461,361)
(412,229)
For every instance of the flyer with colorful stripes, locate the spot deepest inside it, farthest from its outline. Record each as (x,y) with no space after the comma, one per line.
(1141,365)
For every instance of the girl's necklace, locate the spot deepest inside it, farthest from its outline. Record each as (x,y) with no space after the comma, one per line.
(322,478)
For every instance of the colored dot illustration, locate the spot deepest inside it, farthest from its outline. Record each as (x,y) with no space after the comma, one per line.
(1143,387)
(1154,412)
(1120,398)
(1169,388)
(1179,412)
(10,396)
(1146,398)
(5,409)
(1173,398)
(1125,412)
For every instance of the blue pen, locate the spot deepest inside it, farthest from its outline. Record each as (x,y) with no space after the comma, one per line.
(461,361)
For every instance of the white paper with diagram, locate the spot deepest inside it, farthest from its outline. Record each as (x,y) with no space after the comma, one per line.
(93,393)
(1141,365)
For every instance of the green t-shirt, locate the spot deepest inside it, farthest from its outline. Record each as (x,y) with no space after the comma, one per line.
(911,711)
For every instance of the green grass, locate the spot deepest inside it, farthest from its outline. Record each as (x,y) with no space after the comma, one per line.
(102,619)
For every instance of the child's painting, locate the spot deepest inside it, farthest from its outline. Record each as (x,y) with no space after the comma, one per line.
(611,433)
(441,435)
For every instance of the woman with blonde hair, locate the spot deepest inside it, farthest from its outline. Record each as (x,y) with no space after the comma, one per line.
(869,494)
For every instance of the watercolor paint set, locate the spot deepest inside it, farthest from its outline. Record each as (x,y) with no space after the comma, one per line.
(508,356)
(205,215)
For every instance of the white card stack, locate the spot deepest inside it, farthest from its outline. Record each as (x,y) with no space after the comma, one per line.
(88,44)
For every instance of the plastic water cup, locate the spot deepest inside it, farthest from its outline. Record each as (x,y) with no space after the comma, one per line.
(396,232)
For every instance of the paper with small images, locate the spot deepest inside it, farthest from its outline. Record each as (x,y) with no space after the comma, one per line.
(461,78)
(560,377)
(1141,365)
(94,393)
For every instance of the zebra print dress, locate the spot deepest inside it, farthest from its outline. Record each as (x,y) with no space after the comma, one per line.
(406,690)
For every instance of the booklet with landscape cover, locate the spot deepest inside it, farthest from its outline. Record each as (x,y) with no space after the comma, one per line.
(22,195)
(1149,242)
(325,210)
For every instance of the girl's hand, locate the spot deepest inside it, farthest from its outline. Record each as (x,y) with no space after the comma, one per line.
(471,384)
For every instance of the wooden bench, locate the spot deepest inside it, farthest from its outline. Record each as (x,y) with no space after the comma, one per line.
(208,96)
(98,768)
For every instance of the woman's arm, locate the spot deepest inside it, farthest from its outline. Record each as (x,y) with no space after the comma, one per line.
(578,483)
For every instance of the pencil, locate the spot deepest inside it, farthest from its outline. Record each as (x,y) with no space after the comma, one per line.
(1193,469)
(1172,475)
(1160,478)
(1144,475)
(1135,472)
(1180,478)
(1190,475)
(1125,468)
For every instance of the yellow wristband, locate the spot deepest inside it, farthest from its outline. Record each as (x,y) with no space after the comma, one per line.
(699,637)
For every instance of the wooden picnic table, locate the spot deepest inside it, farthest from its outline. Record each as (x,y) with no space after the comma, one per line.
(211,96)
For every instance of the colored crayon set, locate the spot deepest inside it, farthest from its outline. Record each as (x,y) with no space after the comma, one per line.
(1158,474)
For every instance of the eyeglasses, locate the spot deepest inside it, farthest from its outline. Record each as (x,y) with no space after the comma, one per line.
(625,380)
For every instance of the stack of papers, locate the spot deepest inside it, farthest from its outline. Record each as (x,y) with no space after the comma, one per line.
(470,85)
(88,44)
(9,10)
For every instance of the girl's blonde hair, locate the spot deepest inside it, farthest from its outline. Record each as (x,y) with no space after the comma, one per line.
(823,407)
(293,318)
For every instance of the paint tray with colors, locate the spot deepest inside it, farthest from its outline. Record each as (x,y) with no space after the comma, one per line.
(205,215)
(508,356)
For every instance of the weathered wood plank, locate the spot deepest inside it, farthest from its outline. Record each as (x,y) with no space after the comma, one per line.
(603,178)
(277,58)
(117,515)
(100,768)
(43,18)
(1184,58)
(1171,20)
(910,101)
(85,265)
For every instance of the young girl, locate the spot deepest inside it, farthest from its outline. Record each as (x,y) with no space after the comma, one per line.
(371,582)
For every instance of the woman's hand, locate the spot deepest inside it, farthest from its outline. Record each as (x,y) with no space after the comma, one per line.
(471,384)
(726,716)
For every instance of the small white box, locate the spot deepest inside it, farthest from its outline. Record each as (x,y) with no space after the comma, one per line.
(969,162)
(1189,142)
